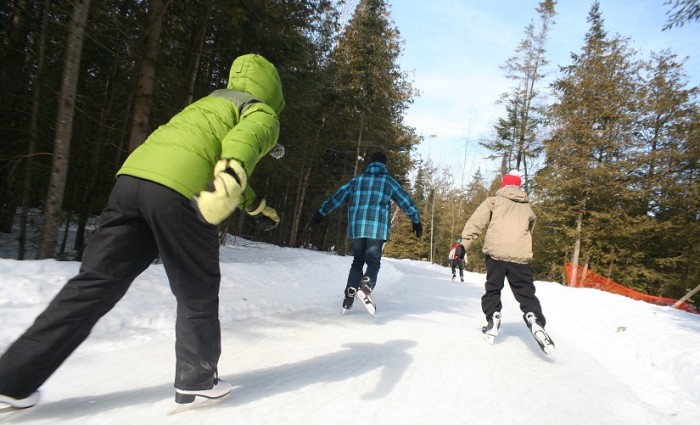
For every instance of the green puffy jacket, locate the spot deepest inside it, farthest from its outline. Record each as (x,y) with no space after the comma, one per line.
(240,122)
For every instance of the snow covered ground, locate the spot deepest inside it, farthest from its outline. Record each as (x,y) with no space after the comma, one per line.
(293,358)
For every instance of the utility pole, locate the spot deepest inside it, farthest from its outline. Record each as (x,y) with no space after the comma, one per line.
(432,222)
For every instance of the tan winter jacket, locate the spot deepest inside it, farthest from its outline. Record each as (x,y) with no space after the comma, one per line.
(509,221)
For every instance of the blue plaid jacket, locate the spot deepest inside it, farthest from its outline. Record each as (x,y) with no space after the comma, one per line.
(369,197)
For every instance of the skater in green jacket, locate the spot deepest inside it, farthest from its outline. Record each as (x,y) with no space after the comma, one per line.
(188,176)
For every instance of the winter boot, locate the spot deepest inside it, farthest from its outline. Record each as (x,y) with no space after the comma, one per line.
(221,389)
(20,403)
(349,297)
(453,276)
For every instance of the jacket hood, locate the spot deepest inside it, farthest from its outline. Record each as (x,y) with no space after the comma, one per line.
(376,168)
(255,75)
(513,193)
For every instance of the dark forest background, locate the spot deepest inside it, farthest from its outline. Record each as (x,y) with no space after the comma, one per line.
(609,152)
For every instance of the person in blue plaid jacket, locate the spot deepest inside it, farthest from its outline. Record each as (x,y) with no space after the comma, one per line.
(369,197)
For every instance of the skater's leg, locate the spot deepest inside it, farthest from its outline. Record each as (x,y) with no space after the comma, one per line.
(358,263)
(189,249)
(373,257)
(119,250)
(521,282)
(495,276)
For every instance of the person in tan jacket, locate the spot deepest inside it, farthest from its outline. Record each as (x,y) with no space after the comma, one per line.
(509,221)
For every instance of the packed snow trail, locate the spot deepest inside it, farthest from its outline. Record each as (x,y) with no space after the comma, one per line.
(293,358)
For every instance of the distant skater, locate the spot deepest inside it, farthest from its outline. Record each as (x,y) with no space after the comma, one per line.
(456,256)
(369,197)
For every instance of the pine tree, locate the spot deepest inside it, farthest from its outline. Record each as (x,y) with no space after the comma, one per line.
(585,184)
(516,141)
(364,108)
(668,179)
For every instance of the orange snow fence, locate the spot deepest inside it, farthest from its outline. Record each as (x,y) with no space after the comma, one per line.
(588,279)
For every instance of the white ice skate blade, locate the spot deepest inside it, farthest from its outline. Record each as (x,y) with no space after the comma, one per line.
(367,302)
(198,403)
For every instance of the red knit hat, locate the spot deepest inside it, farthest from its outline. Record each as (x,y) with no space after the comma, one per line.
(512,178)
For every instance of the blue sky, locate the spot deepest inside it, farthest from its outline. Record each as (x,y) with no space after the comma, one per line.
(453,50)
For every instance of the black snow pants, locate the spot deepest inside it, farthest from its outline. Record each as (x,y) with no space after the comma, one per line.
(521,283)
(141,221)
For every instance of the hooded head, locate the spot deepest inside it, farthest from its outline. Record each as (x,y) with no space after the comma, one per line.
(511,179)
(255,75)
(378,157)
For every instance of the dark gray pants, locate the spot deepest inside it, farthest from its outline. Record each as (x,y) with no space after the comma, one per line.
(141,221)
(521,282)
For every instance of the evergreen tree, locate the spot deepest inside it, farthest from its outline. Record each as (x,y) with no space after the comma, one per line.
(668,179)
(364,108)
(682,12)
(585,186)
(517,131)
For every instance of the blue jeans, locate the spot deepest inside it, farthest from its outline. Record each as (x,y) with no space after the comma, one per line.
(365,251)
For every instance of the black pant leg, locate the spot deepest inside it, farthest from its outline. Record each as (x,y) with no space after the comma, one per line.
(119,250)
(523,287)
(189,250)
(495,277)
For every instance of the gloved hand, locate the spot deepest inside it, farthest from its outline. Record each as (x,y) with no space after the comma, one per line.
(316,219)
(223,195)
(418,229)
(265,217)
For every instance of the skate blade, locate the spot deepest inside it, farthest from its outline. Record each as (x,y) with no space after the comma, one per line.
(545,343)
(367,302)
(199,403)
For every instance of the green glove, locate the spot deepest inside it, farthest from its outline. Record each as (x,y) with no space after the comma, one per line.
(265,217)
(215,204)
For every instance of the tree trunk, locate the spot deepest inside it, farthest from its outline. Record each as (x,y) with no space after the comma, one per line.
(64,129)
(685,297)
(145,81)
(33,137)
(301,196)
(96,164)
(577,249)
(197,45)
(16,32)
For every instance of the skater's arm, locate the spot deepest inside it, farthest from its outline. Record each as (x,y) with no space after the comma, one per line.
(478,221)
